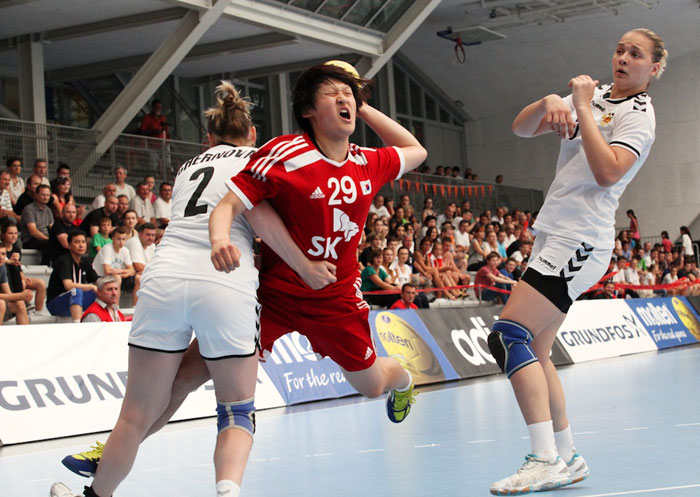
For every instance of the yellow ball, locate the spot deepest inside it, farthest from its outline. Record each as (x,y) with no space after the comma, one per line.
(344,65)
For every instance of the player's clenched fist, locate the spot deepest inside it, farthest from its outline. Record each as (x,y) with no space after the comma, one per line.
(319,274)
(557,115)
(583,87)
(225,256)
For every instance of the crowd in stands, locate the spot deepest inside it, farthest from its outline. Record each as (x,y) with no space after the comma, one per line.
(452,251)
(92,249)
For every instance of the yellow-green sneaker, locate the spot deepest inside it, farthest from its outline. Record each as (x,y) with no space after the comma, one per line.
(85,463)
(398,404)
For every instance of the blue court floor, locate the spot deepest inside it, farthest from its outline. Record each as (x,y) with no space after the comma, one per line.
(635,419)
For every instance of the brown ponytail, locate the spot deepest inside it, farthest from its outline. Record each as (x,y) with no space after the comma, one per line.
(231,114)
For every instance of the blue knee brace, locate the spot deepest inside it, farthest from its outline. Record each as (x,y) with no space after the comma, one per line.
(509,343)
(239,415)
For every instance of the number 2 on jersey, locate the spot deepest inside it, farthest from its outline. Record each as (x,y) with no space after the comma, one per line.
(192,209)
(347,186)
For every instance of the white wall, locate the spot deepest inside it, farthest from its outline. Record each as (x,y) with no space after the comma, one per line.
(666,192)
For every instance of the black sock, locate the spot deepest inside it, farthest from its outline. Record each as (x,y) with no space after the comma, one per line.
(89,492)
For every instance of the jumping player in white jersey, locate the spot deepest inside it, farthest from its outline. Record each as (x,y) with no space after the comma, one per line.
(322,187)
(606,135)
(181,292)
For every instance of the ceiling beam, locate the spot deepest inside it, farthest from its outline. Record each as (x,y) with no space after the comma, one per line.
(397,36)
(93,28)
(207,50)
(300,23)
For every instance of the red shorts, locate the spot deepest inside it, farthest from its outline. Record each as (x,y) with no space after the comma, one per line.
(337,328)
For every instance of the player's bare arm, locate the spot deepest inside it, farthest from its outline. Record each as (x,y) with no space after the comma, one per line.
(393,134)
(267,224)
(608,164)
(224,254)
(549,114)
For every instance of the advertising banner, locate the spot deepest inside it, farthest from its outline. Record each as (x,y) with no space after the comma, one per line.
(671,322)
(302,376)
(402,335)
(596,329)
(59,380)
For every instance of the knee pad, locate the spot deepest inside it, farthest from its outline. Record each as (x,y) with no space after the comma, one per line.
(509,344)
(240,415)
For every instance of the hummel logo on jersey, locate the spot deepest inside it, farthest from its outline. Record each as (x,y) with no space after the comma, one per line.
(317,193)
(369,353)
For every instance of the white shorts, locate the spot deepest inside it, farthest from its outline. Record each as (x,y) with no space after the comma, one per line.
(226,321)
(576,265)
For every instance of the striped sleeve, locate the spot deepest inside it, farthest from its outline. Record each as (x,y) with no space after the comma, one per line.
(634,131)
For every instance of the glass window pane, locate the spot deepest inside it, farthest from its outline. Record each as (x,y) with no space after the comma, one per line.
(390,14)
(363,11)
(430,108)
(444,115)
(401,90)
(416,94)
(311,5)
(335,8)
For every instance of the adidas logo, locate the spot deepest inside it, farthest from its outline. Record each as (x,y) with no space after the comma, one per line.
(317,193)
(369,353)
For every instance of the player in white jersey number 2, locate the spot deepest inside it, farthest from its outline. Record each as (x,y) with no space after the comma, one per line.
(606,136)
(181,292)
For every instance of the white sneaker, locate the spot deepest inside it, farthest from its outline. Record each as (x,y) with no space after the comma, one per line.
(535,475)
(60,489)
(578,469)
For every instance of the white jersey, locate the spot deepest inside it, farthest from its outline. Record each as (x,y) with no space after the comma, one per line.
(576,206)
(184,252)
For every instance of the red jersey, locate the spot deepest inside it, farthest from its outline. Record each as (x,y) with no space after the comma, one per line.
(400,304)
(323,203)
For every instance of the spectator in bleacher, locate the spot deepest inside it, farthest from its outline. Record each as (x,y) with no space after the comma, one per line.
(37,220)
(154,124)
(6,209)
(427,209)
(631,275)
(79,215)
(374,242)
(105,308)
(461,235)
(109,190)
(141,249)
(101,238)
(123,188)
(498,217)
(608,291)
(386,265)
(399,216)
(162,207)
(15,301)
(9,235)
(494,246)
(114,259)
(141,203)
(91,223)
(401,266)
(520,268)
(429,222)
(634,228)
(478,249)
(524,251)
(122,207)
(130,221)
(648,277)
(59,232)
(687,242)
(369,223)
(41,169)
(16,187)
(669,278)
(374,278)
(455,172)
(441,249)
(688,270)
(423,262)
(499,179)
(405,202)
(508,270)
(60,192)
(488,275)
(644,259)
(407,299)
(71,285)
(448,215)
(626,250)
(29,194)
(378,207)
(619,269)
(62,171)
(440,171)
(665,241)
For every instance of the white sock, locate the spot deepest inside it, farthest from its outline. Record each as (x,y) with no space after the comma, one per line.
(408,385)
(565,443)
(542,440)
(227,488)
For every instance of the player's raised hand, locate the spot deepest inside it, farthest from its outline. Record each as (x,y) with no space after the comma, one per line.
(319,274)
(557,115)
(583,87)
(225,256)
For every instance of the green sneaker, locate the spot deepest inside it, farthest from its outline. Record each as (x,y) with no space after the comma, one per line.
(85,463)
(398,404)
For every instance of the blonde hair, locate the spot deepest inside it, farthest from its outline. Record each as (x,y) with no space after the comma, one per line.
(231,114)
(658,50)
